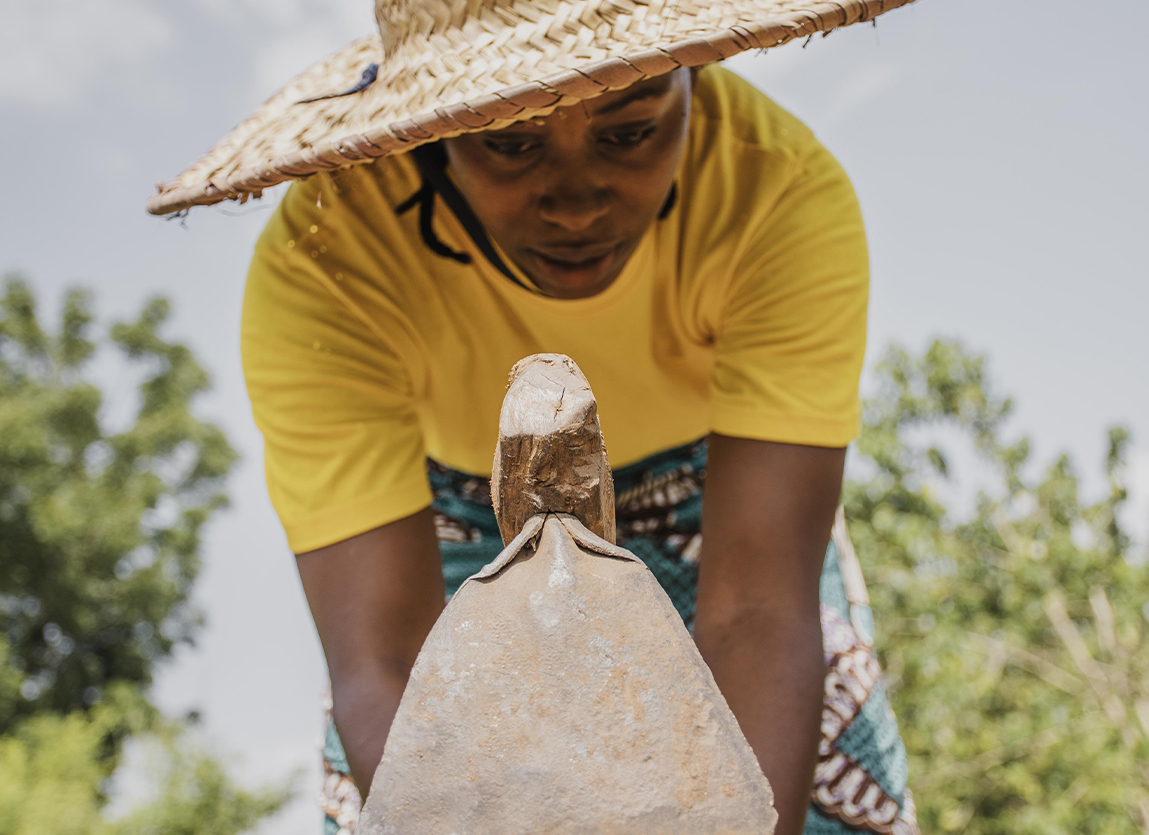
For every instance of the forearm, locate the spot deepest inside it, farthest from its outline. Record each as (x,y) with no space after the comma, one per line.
(363,706)
(767,513)
(374,598)
(770,669)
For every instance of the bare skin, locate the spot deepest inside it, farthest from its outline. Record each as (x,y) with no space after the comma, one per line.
(568,198)
(374,598)
(766,515)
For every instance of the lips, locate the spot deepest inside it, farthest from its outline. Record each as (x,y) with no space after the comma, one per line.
(576,254)
(573,271)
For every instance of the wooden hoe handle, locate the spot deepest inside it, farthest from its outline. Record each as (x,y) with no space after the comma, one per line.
(550,456)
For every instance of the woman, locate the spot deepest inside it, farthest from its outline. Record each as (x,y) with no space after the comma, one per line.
(686,241)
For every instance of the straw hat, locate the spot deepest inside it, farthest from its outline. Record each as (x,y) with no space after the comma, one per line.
(439,68)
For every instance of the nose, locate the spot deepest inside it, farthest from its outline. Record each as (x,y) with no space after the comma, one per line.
(573,206)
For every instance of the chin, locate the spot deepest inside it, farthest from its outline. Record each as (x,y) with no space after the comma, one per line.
(572,290)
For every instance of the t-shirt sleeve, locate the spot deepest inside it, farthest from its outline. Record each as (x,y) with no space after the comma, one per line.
(789,350)
(343,448)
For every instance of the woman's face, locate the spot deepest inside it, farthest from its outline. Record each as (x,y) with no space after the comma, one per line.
(569,196)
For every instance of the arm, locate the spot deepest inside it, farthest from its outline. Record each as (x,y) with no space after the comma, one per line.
(767,513)
(374,598)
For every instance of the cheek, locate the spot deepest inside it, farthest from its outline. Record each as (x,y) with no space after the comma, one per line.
(498,201)
(504,209)
(646,184)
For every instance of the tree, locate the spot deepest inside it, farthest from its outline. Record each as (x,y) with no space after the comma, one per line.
(1014,637)
(99,548)
(53,769)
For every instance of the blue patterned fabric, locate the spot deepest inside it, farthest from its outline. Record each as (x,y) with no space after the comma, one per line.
(333,752)
(860,782)
(872,741)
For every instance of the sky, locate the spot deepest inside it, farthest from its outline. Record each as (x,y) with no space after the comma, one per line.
(999,151)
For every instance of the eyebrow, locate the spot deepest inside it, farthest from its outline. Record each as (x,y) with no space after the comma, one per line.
(633,95)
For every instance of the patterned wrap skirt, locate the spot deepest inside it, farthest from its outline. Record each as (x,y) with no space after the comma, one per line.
(860,778)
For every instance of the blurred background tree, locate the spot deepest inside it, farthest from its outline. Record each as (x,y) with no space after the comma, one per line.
(99,548)
(1013,632)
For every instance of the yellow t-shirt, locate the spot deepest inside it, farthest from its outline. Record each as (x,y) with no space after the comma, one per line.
(742,312)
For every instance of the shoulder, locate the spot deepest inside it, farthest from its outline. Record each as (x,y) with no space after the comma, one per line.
(756,182)
(730,109)
(342,224)
(747,150)
(337,254)
(366,194)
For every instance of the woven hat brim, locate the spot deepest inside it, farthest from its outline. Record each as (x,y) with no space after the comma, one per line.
(473,81)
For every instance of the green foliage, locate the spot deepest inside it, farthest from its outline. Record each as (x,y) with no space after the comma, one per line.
(99,531)
(54,766)
(198,798)
(53,769)
(99,547)
(1014,639)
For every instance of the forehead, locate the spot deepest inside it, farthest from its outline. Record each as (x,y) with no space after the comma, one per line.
(649,89)
(646,90)
(652,91)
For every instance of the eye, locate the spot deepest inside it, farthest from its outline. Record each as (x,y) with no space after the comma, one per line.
(510,146)
(629,138)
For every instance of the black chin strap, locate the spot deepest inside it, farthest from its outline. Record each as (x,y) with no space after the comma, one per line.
(432,162)
(424,198)
(671,199)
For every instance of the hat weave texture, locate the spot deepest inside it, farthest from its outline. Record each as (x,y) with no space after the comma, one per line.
(446,67)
